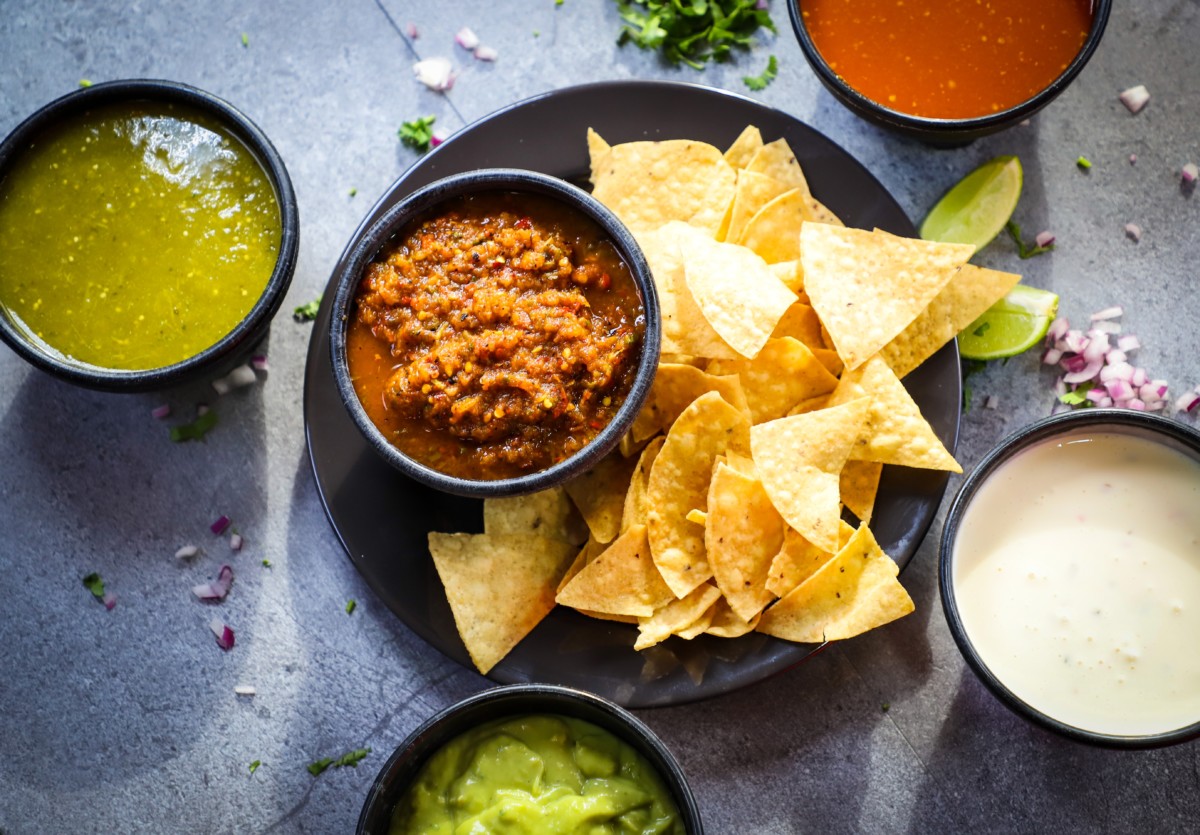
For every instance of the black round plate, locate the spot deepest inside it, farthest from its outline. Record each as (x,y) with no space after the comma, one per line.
(382,518)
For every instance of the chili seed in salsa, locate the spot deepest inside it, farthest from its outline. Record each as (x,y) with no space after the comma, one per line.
(496,337)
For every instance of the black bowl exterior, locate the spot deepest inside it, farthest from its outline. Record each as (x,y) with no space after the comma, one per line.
(418,204)
(1141,424)
(520,700)
(945,132)
(235,345)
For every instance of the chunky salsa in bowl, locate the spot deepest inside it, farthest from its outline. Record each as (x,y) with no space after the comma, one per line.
(495,333)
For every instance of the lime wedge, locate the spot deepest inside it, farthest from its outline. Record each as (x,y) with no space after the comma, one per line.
(1014,324)
(976,208)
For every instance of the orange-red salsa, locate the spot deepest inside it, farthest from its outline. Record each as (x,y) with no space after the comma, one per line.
(496,337)
(948,59)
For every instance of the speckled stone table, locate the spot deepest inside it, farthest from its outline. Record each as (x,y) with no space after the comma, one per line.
(126,720)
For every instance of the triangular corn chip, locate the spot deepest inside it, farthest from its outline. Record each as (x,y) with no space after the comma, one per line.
(621,580)
(675,616)
(742,534)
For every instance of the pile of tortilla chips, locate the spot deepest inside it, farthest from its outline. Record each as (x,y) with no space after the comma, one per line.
(776,404)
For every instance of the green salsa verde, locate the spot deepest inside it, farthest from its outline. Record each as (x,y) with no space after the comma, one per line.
(537,775)
(134,236)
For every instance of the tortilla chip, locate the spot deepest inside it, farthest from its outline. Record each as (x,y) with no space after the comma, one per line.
(972,291)
(744,464)
(726,624)
(679,482)
(817,212)
(791,273)
(684,328)
(830,359)
(586,554)
(895,432)
(621,580)
(701,624)
(812,404)
(597,152)
(859,484)
(800,460)
(735,291)
(776,160)
(774,233)
(742,535)
(605,616)
(499,586)
(798,559)
(784,373)
(647,184)
(628,447)
(675,388)
(855,591)
(744,147)
(600,495)
(546,513)
(675,616)
(867,287)
(634,510)
(753,192)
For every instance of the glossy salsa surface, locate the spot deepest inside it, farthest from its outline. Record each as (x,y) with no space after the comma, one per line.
(135,235)
(537,774)
(948,59)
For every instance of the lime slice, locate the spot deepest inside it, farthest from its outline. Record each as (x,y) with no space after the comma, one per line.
(1014,324)
(977,207)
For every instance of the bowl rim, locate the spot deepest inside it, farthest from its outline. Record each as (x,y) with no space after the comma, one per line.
(532,698)
(975,125)
(1153,427)
(371,240)
(268,303)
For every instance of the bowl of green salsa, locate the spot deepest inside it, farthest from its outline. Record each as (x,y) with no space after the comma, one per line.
(531,758)
(148,234)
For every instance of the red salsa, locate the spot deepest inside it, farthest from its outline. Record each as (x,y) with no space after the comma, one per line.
(495,337)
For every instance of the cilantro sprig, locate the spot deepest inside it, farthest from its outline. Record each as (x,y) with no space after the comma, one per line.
(760,82)
(308,311)
(349,759)
(418,133)
(692,32)
(1023,249)
(195,430)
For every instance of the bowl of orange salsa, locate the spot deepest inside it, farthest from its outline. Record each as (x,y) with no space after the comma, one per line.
(943,71)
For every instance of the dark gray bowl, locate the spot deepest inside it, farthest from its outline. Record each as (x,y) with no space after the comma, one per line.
(519,700)
(1152,427)
(945,132)
(377,236)
(237,344)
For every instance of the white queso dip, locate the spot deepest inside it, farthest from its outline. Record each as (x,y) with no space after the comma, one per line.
(1076,572)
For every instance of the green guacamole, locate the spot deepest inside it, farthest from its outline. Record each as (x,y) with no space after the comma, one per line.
(537,775)
(135,236)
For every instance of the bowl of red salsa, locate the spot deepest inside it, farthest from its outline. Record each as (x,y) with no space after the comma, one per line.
(947,72)
(495,333)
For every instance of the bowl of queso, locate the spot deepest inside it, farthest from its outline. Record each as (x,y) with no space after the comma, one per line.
(947,72)
(1070,576)
(531,758)
(148,233)
(494,333)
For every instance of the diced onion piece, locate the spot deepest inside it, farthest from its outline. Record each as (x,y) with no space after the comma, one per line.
(486,53)
(109,600)
(218,589)
(435,73)
(1190,173)
(466,38)
(1095,395)
(220,386)
(1129,342)
(201,410)
(245,690)
(1114,356)
(1139,377)
(1085,374)
(1058,329)
(259,362)
(1136,405)
(1114,312)
(235,542)
(412,31)
(1116,371)
(1135,98)
(160,412)
(991,402)
(187,552)
(1105,402)
(1133,159)
(224,633)
(439,135)
(1133,231)
(1044,238)
(220,526)
(1105,327)
(1051,356)
(1119,389)
(1188,401)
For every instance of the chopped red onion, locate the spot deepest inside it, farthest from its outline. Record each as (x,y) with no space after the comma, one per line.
(238,378)
(1153,390)
(1095,395)
(1190,173)
(245,690)
(220,386)
(1135,98)
(1044,238)
(991,402)
(220,526)
(1097,345)
(224,633)
(1116,371)
(1058,329)
(1118,389)
(218,588)
(435,73)
(412,31)
(1136,405)
(235,542)
(1114,312)
(187,552)
(109,600)
(1133,231)
(1105,327)
(1138,377)
(1129,342)
(259,362)
(466,38)
(1114,356)
(1052,356)
(439,135)
(160,412)
(1133,159)
(1084,374)
(1188,401)
(486,53)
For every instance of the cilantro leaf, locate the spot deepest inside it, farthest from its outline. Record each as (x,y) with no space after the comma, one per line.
(692,32)
(351,605)
(315,768)
(418,133)
(760,82)
(195,430)
(1075,397)
(95,585)
(308,312)
(254,766)
(245,40)
(1023,249)
(1084,163)
(350,759)
(266,564)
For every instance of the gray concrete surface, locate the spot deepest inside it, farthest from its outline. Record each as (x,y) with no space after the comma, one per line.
(127,721)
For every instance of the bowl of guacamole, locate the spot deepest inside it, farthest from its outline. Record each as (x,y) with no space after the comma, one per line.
(148,234)
(531,758)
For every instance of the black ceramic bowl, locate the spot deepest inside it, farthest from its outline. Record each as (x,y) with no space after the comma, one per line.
(519,700)
(235,345)
(945,132)
(1169,433)
(419,203)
